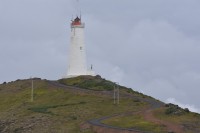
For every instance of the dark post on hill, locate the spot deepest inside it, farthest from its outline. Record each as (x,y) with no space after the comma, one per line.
(32,89)
(116,93)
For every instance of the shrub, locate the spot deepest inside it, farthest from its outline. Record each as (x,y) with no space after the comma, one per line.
(136,100)
(89,82)
(82,102)
(175,109)
(74,117)
(170,110)
(187,110)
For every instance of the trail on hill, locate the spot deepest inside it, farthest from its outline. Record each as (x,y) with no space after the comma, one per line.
(98,122)
(147,113)
(171,127)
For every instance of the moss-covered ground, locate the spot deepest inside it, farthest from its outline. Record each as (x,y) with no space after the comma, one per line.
(57,109)
(189,120)
(62,109)
(135,122)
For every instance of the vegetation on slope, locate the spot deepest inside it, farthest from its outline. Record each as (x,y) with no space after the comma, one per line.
(89,82)
(59,108)
(136,122)
(97,83)
(174,114)
(54,109)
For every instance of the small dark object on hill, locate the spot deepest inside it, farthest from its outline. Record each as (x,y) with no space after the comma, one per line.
(136,100)
(4,83)
(187,110)
(82,102)
(98,77)
(36,78)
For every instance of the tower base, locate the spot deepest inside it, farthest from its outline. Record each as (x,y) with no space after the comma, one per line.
(88,73)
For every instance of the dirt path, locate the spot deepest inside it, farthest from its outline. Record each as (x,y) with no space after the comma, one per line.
(147,113)
(97,122)
(171,127)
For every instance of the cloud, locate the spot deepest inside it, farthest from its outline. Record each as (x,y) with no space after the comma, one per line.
(157,55)
(192,108)
(117,74)
(162,61)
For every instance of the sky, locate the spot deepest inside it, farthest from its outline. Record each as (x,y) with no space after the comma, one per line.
(151,46)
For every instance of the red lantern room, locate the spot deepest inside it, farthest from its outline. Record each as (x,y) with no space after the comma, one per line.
(76,21)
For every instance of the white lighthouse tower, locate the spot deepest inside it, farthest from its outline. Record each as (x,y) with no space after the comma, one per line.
(77,64)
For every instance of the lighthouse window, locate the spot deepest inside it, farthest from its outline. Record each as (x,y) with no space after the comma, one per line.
(81,48)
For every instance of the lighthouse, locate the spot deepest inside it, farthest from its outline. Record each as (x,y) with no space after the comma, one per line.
(77,64)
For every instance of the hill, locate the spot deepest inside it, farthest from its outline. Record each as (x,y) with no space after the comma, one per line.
(85,104)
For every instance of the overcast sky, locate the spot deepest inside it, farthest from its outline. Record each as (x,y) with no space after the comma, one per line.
(151,46)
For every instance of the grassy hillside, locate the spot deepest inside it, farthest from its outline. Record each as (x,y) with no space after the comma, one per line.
(65,105)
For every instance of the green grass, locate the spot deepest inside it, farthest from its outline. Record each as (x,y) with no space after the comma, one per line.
(57,109)
(60,109)
(89,82)
(190,121)
(98,84)
(136,122)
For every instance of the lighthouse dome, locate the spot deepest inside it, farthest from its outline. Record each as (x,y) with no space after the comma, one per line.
(76,21)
